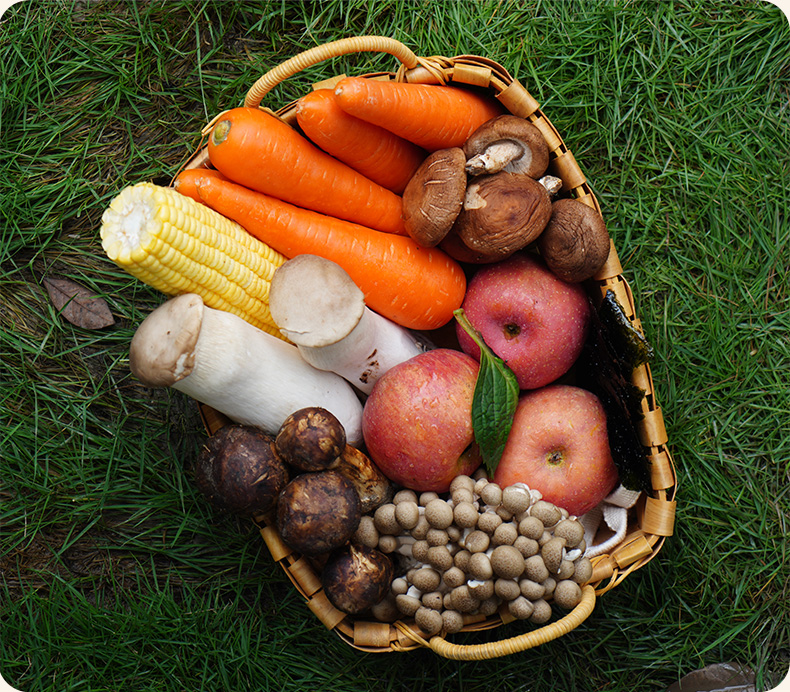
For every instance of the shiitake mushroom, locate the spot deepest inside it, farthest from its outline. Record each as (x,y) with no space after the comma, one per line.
(502,213)
(575,242)
(239,470)
(318,512)
(356,577)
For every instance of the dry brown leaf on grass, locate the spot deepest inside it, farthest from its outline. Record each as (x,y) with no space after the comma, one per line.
(77,304)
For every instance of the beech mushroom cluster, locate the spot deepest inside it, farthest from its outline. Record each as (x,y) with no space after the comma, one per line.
(491,197)
(482,548)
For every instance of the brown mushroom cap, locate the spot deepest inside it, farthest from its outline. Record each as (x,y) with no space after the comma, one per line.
(311,439)
(567,594)
(433,197)
(507,143)
(355,578)
(502,213)
(318,512)
(238,470)
(158,362)
(575,242)
(455,247)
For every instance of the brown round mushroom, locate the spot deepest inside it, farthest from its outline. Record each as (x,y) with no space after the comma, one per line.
(507,143)
(567,594)
(520,607)
(502,213)
(541,612)
(433,197)
(318,512)
(428,620)
(575,242)
(311,439)
(552,553)
(355,578)
(239,470)
(507,562)
(452,621)
(583,570)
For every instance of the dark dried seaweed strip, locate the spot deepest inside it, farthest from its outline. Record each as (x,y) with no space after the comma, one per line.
(610,355)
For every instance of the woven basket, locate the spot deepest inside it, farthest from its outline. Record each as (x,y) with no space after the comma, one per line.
(650,521)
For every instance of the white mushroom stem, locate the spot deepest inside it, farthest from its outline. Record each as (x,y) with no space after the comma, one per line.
(374,346)
(318,307)
(404,545)
(414,592)
(552,183)
(496,156)
(219,359)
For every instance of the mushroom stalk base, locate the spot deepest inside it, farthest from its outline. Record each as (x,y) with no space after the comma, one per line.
(374,346)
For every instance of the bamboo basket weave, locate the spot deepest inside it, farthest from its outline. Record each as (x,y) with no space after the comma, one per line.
(650,522)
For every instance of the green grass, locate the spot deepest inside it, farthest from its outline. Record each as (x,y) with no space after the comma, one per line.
(115,573)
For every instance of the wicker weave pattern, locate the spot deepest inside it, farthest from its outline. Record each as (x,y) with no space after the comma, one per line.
(650,522)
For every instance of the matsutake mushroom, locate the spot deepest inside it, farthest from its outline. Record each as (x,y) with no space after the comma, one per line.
(356,578)
(311,439)
(318,512)
(316,304)
(252,377)
(239,470)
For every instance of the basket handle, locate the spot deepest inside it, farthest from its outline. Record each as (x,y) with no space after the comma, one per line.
(522,642)
(343,46)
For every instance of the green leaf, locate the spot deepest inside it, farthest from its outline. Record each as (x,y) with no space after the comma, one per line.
(494,401)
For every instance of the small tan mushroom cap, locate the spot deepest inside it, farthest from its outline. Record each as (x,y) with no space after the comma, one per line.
(575,242)
(162,350)
(433,197)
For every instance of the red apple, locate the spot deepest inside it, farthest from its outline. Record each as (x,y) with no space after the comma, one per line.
(417,420)
(559,445)
(532,320)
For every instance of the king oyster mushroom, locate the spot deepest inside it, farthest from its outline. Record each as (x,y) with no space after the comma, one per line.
(219,359)
(316,304)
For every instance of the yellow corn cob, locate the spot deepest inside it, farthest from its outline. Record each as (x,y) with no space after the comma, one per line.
(177,245)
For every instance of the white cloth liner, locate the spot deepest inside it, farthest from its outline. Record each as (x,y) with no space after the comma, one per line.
(613,510)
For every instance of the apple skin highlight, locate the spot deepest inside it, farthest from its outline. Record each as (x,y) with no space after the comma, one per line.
(532,320)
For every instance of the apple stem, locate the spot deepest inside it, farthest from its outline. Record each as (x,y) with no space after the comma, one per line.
(463,320)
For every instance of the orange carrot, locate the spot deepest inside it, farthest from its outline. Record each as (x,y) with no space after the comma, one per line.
(261,152)
(413,286)
(431,116)
(378,154)
(185,181)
